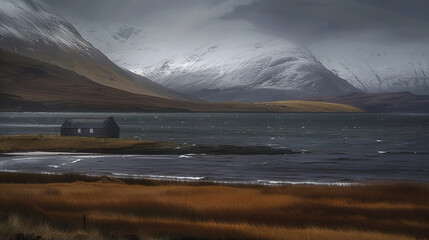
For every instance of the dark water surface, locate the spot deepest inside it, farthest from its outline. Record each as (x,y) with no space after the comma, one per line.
(340,148)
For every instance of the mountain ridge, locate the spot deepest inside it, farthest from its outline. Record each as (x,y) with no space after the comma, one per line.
(33,29)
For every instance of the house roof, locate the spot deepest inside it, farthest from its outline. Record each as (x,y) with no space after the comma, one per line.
(86,122)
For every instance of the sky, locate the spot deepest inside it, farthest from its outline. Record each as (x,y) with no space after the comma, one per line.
(302,21)
(377,45)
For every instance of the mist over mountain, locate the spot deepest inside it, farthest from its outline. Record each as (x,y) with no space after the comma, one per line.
(224,50)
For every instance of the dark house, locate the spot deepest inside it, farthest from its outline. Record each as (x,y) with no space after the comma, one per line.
(90,127)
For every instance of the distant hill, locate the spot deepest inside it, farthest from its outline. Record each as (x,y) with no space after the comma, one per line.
(30,85)
(383,102)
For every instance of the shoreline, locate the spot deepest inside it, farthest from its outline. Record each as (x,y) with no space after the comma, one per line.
(51,177)
(18,177)
(56,143)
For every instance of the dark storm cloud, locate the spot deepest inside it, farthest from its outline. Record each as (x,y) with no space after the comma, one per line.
(125,10)
(386,21)
(407,8)
(314,19)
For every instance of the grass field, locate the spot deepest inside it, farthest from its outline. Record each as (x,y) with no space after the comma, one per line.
(116,210)
(10,143)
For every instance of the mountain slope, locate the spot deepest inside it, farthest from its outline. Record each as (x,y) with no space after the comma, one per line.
(220,64)
(31,85)
(33,29)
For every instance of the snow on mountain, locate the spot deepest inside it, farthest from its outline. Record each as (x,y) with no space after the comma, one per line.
(218,64)
(377,69)
(33,29)
(36,23)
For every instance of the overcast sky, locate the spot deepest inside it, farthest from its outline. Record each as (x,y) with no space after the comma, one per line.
(304,21)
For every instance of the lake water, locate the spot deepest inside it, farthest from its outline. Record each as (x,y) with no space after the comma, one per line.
(337,148)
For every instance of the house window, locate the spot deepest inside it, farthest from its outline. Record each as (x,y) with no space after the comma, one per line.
(91,130)
(79,130)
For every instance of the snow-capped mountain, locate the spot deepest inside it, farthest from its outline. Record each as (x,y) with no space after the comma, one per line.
(33,29)
(375,68)
(35,23)
(229,65)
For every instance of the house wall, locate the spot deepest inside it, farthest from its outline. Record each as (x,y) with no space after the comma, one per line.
(111,132)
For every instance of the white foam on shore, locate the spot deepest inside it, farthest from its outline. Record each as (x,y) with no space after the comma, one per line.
(274,183)
(194,179)
(40,153)
(9,171)
(258,182)
(159,177)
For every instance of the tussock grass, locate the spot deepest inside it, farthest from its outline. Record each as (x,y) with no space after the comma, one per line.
(17,226)
(179,211)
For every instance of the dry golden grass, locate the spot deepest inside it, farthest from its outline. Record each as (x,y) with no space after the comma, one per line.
(312,106)
(56,143)
(378,211)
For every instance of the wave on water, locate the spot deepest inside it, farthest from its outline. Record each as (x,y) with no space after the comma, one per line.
(191,155)
(27,159)
(77,160)
(401,153)
(154,157)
